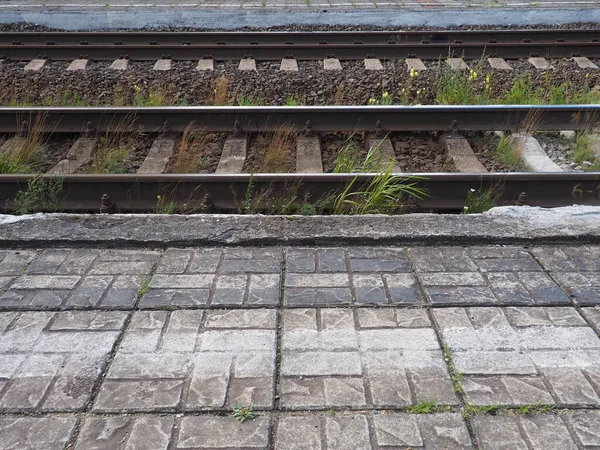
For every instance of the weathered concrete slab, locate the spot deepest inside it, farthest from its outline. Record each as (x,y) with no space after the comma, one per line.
(499,64)
(462,155)
(233,155)
(247,64)
(584,63)
(540,63)
(308,155)
(504,225)
(533,154)
(12,144)
(79,155)
(205,64)
(120,64)
(289,65)
(36,65)
(163,64)
(158,156)
(415,64)
(78,64)
(385,149)
(457,64)
(373,64)
(332,64)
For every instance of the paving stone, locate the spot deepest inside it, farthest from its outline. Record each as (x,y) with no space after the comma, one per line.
(569,258)
(51,361)
(532,316)
(585,426)
(225,357)
(128,433)
(252,261)
(584,287)
(516,360)
(327,361)
(179,261)
(498,433)
(441,259)
(593,315)
(298,433)
(223,432)
(14,262)
(63,262)
(34,433)
(315,260)
(547,432)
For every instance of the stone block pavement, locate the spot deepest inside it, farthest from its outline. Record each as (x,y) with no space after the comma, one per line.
(489,347)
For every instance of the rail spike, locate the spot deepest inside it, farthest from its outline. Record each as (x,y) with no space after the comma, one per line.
(89,129)
(107,206)
(24,131)
(166,129)
(308,129)
(378,129)
(522,200)
(237,129)
(454,128)
(207,204)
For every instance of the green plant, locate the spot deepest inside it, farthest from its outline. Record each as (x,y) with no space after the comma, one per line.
(332,411)
(386,99)
(428,408)
(507,154)
(243,413)
(584,151)
(460,87)
(144,286)
(474,410)
(290,101)
(535,408)
(279,154)
(163,206)
(41,195)
(249,195)
(455,375)
(250,100)
(307,209)
(479,201)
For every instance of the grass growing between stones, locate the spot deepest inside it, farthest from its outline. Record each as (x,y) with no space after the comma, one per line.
(243,413)
(583,153)
(479,201)
(144,286)
(385,193)
(26,155)
(428,408)
(455,375)
(279,153)
(113,148)
(508,154)
(41,195)
(468,410)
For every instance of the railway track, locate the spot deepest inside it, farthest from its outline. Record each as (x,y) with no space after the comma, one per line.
(224,190)
(143,46)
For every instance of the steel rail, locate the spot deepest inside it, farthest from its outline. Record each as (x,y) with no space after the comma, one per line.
(225,193)
(270,52)
(161,38)
(317,118)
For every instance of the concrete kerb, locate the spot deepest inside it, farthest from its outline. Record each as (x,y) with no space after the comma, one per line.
(83,16)
(504,225)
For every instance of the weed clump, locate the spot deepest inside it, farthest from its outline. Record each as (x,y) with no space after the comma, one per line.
(41,195)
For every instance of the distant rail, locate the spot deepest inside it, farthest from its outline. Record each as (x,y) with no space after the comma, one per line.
(345,45)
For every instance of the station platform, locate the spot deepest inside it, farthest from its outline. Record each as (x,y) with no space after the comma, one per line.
(374,332)
(236,14)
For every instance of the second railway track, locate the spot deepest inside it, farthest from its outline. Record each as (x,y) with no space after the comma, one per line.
(429,45)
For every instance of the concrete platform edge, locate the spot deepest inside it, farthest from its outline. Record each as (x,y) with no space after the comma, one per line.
(505,225)
(84,17)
